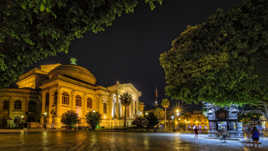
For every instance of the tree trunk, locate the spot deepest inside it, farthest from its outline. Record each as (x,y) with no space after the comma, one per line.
(125,118)
(265,106)
(165,117)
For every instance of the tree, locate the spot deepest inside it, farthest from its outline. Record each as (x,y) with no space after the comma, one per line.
(125,99)
(140,122)
(152,120)
(222,60)
(69,118)
(165,104)
(32,30)
(93,119)
(251,116)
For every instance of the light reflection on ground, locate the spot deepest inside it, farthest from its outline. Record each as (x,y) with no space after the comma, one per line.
(113,141)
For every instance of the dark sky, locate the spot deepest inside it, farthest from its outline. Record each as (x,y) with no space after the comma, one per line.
(129,50)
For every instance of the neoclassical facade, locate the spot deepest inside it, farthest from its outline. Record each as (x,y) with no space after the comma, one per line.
(46,92)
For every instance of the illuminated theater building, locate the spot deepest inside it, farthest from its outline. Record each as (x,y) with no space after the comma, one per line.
(46,92)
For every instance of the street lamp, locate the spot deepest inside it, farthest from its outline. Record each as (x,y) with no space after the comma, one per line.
(45,119)
(177,113)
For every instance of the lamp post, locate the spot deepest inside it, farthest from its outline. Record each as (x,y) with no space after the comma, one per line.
(45,119)
(177,113)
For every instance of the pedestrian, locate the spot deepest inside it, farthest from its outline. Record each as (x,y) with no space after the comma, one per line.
(224,135)
(255,134)
(248,133)
(196,133)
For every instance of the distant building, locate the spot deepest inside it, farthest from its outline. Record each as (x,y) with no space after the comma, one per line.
(141,108)
(188,120)
(46,92)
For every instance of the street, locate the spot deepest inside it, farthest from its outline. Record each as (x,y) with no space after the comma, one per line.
(114,141)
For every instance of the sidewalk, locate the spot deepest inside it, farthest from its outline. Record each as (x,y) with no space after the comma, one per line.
(205,140)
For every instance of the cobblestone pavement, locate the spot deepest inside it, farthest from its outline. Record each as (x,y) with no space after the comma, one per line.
(114,141)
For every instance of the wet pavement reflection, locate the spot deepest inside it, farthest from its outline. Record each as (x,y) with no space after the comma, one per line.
(101,141)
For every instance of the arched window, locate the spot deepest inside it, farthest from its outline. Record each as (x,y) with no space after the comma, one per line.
(65,98)
(32,106)
(89,103)
(55,98)
(78,100)
(6,105)
(47,102)
(104,108)
(17,105)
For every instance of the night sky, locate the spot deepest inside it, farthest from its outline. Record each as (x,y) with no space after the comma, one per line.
(129,50)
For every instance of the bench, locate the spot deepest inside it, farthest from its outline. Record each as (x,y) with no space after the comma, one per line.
(251,143)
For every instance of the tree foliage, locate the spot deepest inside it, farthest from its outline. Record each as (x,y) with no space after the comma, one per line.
(222,60)
(165,103)
(93,119)
(31,30)
(247,117)
(69,118)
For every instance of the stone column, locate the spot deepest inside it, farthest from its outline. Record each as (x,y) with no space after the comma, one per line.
(72,100)
(58,112)
(51,99)
(97,103)
(43,103)
(83,109)
(118,106)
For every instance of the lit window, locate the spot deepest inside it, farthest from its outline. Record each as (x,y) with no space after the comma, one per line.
(78,100)
(17,105)
(89,103)
(65,98)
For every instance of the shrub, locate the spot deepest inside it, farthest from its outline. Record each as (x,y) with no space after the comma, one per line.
(152,120)
(93,119)
(140,122)
(69,118)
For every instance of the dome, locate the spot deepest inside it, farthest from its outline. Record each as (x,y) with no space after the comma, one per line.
(75,72)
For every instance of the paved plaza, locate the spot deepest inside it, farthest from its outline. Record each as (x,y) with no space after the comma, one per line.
(118,141)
